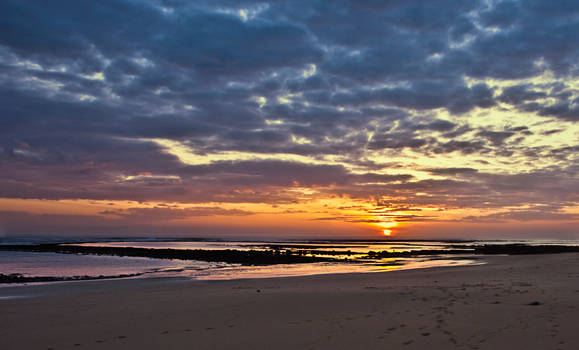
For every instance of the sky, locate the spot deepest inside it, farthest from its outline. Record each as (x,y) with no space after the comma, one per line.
(290,119)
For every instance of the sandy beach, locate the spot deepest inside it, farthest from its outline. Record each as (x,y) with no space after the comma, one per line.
(512,302)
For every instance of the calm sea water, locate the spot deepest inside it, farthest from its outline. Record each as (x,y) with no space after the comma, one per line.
(68,265)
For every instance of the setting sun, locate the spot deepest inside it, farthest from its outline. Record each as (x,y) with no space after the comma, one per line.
(387,226)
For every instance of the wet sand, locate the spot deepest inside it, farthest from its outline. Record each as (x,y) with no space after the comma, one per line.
(513,302)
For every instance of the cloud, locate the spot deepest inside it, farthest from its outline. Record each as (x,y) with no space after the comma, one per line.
(396,141)
(350,99)
(164,213)
(520,93)
(524,215)
(464,147)
(496,137)
(451,171)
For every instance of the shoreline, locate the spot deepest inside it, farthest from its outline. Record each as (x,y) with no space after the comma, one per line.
(262,262)
(512,301)
(152,276)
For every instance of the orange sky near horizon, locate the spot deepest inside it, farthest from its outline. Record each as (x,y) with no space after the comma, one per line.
(67,217)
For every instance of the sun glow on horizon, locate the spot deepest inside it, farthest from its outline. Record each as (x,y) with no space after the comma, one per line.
(387,226)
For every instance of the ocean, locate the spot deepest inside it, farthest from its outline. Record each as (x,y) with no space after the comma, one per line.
(352,257)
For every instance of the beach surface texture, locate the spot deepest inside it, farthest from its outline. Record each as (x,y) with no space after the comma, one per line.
(512,302)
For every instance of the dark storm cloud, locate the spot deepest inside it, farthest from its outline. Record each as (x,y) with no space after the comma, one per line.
(85,86)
